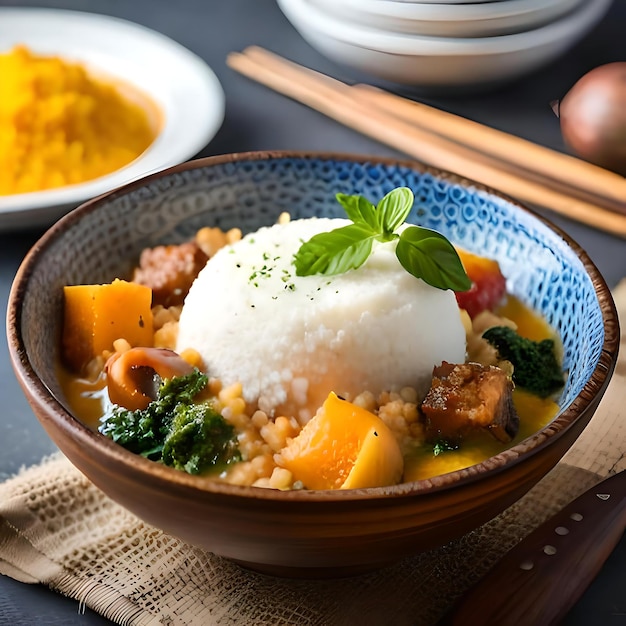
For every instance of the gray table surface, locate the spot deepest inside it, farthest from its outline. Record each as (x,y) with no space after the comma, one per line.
(258,119)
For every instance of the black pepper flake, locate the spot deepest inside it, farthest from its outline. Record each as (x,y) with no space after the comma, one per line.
(375,434)
(141,322)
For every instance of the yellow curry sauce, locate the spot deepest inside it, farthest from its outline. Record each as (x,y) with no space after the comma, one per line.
(534,412)
(89,400)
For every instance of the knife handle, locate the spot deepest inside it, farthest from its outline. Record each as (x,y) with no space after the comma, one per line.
(543,576)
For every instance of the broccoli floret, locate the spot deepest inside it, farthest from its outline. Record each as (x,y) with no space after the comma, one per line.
(141,432)
(165,430)
(199,439)
(535,365)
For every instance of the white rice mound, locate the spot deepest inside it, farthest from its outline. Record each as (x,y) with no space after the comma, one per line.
(290,340)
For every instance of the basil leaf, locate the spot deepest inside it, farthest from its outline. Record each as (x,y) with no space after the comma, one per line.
(359,210)
(335,252)
(424,253)
(394,208)
(428,255)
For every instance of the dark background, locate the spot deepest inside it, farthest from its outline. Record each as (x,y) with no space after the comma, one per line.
(259,119)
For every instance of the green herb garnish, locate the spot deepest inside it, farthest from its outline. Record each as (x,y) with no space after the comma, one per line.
(422,252)
(444,445)
(536,367)
(174,429)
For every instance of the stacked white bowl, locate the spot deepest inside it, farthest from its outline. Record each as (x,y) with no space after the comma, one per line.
(444,43)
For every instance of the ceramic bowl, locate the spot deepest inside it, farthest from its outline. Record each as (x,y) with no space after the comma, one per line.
(440,63)
(309,533)
(448,20)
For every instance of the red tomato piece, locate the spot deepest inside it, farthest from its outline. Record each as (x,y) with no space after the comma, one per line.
(488,284)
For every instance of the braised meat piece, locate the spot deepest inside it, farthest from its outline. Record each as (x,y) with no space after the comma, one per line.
(169,271)
(466,396)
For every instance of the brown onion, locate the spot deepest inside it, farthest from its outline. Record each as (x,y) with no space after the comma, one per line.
(593,117)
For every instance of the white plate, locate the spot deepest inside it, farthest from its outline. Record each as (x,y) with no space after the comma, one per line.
(452,65)
(181,84)
(485,19)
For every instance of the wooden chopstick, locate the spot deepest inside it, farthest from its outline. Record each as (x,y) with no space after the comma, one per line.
(543,164)
(347,106)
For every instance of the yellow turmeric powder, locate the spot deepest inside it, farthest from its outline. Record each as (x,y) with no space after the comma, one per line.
(59,126)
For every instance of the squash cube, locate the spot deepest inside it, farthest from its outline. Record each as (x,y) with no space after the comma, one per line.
(97,315)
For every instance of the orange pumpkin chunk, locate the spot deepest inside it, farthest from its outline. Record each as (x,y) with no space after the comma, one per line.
(97,315)
(343,447)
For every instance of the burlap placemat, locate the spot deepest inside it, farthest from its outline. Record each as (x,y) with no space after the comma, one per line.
(57,529)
